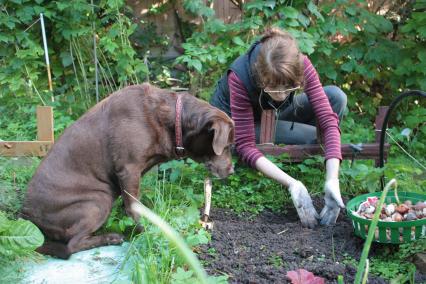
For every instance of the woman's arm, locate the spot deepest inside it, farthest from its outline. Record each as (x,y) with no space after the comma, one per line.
(271,170)
(327,120)
(242,114)
(329,125)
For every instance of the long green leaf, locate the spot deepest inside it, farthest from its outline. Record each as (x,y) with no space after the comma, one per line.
(21,237)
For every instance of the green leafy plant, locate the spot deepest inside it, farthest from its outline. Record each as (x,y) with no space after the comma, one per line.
(276,261)
(18,237)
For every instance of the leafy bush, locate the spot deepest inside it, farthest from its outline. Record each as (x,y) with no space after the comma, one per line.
(70,27)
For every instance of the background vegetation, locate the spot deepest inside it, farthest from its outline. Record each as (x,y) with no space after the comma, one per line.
(372,50)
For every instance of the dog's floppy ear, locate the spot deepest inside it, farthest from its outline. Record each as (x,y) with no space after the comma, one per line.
(223,135)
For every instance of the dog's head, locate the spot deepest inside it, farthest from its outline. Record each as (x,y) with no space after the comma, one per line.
(210,138)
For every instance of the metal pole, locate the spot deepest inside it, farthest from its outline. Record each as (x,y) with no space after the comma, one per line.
(46,55)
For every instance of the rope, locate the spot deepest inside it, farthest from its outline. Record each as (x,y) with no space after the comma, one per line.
(32,25)
(405,151)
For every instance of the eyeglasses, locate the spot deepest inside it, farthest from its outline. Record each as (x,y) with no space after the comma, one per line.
(280,94)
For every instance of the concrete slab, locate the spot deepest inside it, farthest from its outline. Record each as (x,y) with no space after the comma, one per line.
(98,265)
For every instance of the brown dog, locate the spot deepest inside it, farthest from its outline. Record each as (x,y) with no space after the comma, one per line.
(104,154)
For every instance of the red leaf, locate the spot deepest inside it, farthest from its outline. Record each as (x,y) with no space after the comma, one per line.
(302,276)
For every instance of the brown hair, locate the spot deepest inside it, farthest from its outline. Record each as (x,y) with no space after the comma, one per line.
(279,61)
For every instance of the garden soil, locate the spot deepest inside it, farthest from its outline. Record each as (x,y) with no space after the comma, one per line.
(264,248)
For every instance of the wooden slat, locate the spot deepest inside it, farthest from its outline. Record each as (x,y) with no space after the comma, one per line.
(298,153)
(24,148)
(267,127)
(45,123)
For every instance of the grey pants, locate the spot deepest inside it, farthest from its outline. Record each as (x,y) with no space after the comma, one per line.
(296,123)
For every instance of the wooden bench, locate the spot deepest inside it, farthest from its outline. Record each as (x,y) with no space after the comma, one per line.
(298,153)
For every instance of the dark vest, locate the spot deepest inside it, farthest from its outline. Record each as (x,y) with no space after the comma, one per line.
(243,66)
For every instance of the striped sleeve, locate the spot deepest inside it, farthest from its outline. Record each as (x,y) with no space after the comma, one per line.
(328,120)
(242,114)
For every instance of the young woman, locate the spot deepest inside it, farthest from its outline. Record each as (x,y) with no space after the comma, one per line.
(267,77)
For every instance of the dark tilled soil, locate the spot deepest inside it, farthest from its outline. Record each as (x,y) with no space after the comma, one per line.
(263,249)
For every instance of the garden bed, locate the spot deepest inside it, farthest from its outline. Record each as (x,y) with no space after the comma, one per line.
(264,248)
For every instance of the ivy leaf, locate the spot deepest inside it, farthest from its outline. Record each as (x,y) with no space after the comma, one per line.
(314,10)
(181,275)
(62,5)
(238,41)
(200,238)
(66,58)
(197,64)
(4,222)
(422,55)
(259,5)
(25,14)
(303,20)
(175,174)
(330,72)
(348,66)
(290,12)
(351,10)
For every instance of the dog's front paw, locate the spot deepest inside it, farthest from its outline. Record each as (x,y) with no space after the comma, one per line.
(114,239)
(139,229)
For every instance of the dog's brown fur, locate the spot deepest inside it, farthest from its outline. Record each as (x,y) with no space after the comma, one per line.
(104,154)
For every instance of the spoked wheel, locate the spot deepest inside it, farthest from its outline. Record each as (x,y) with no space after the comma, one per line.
(407,139)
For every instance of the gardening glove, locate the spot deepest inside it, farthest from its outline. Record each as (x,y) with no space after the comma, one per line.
(303,203)
(333,202)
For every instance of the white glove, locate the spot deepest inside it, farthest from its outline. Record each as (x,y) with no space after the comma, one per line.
(303,203)
(333,202)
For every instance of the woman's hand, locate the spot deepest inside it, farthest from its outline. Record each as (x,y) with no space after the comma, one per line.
(303,203)
(299,194)
(333,202)
(333,199)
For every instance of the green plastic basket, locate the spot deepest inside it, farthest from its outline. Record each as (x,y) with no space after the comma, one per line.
(388,232)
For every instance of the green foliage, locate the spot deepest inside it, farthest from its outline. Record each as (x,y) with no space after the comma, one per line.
(70,27)
(18,237)
(276,261)
(182,276)
(248,191)
(372,55)
(15,173)
(118,221)
(391,262)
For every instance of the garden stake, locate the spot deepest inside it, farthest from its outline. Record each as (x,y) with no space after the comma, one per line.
(371,232)
(46,55)
(207,202)
(95,55)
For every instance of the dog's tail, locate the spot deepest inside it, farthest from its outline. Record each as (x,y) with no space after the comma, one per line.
(56,249)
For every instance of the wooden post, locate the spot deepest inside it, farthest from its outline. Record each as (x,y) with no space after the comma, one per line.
(378,124)
(45,138)
(45,124)
(267,127)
